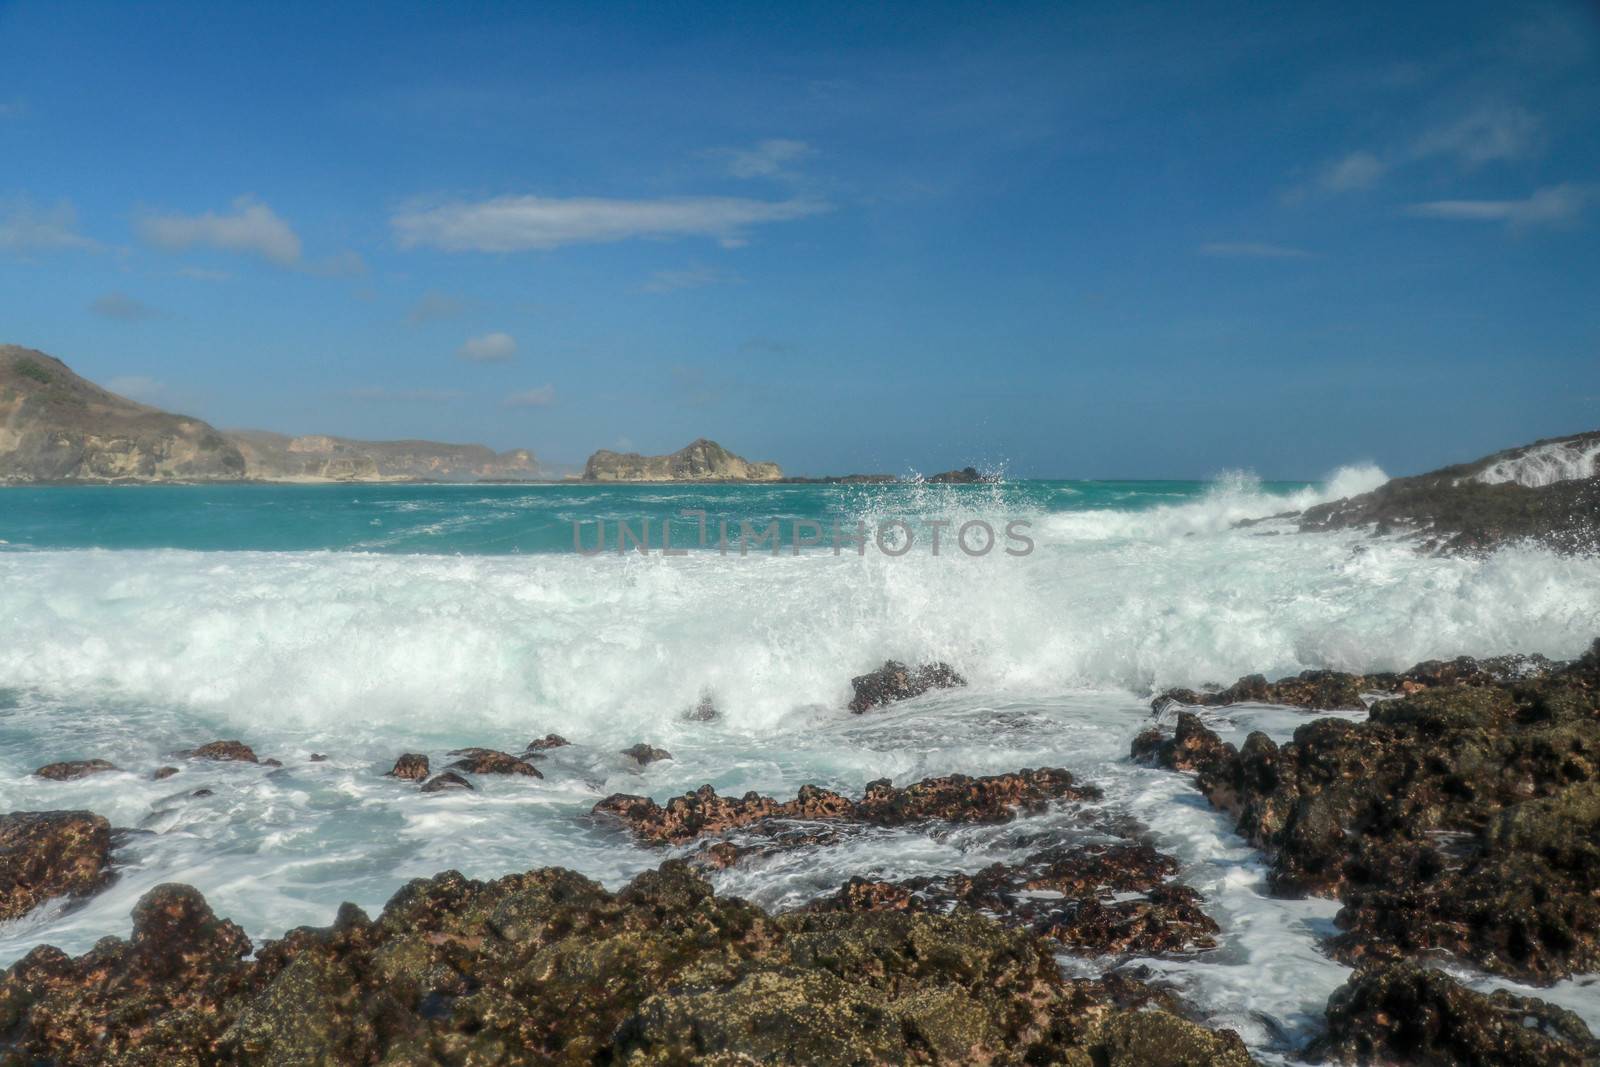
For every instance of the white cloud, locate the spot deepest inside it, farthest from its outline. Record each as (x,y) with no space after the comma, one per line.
(252,227)
(1358,170)
(432,306)
(1252,250)
(1550,206)
(26,227)
(541,397)
(667,281)
(520,223)
(1496,131)
(765,159)
(138,387)
(489,348)
(122,307)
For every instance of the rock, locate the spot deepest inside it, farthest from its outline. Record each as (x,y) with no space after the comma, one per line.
(964,476)
(202,793)
(163,772)
(1193,747)
(1462,818)
(272,763)
(1095,899)
(223,751)
(411,767)
(895,681)
(955,798)
(317,757)
(699,461)
(74,769)
(446,781)
(645,754)
(45,854)
(547,742)
(492,761)
(547,966)
(1322,690)
(704,711)
(1405,1014)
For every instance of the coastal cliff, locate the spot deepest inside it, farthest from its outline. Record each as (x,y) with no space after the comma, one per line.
(699,461)
(56,426)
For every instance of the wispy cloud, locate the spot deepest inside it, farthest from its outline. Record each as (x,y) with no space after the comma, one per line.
(522,223)
(122,307)
(26,227)
(252,227)
(667,281)
(1492,132)
(12,109)
(765,159)
(433,306)
(541,397)
(1552,206)
(494,347)
(1358,170)
(1252,250)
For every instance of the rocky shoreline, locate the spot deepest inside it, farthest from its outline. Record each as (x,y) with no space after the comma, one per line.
(1459,820)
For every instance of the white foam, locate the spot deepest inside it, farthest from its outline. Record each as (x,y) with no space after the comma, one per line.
(1557,461)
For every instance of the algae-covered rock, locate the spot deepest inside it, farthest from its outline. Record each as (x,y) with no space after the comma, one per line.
(45,854)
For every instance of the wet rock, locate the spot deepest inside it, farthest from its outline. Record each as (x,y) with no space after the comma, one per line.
(45,854)
(1192,747)
(446,781)
(272,763)
(411,767)
(317,757)
(202,793)
(1322,690)
(74,769)
(895,681)
(547,742)
(1462,818)
(954,798)
(547,966)
(492,761)
(224,751)
(1098,899)
(646,754)
(1406,1014)
(704,711)
(161,773)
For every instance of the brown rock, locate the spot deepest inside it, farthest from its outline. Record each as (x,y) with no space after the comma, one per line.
(492,761)
(547,742)
(235,751)
(646,754)
(446,781)
(74,769)
(45,854)
(411,766)
(895,681)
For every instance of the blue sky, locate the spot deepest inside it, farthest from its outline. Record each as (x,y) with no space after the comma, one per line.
(1092,240)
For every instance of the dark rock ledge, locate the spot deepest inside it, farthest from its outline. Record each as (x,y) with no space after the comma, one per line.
(548,967)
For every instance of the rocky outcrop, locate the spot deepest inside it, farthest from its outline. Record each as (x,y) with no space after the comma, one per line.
(547,742)
(1547,492)
(1462,818)
(700,461)
(1097,900)
(56,426)
(954,798)
(964,476)
(548,967)
(644,754)
(72,770)
(46,854)
(895,681)
(410,767)
(492,761)
(223,752)
(1402,1013)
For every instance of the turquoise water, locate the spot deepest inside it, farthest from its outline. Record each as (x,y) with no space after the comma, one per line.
(362,621)
(504,519)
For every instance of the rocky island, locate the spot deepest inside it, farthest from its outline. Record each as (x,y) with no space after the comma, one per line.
(56,426)
(699,461)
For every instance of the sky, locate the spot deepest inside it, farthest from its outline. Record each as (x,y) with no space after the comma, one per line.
(1063,240)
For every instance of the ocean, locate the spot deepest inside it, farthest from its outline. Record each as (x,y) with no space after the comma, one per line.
(363,621)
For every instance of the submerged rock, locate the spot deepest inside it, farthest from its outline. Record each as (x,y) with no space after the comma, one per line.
(74,769)
(223,751)
(46,854)
(445,781)
(1406,1014)
(1462,818)
(492,761)
(161,773)
(645,754)
(895,681)
(411,767)
(953,798)
(549,967)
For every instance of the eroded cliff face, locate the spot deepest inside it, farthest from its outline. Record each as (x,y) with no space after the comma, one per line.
(700,461)
(56,426)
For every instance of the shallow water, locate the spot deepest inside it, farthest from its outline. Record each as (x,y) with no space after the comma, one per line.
(365,621)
